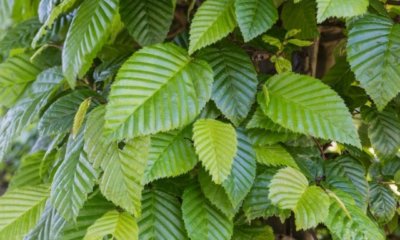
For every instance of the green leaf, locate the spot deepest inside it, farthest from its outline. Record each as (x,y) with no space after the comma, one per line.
(259,120)
(171,154)
(147,21)
(28,173)
(19,36)
(301,16)
(216,144)
(180,87)
(57,12)
(357,226)
(345,185)
(95,207)
(202,220)
(340,8)
(216,194)
(120,225)
(383,204)
(303,104)
(352,170)
(123,178)
(274,155)
(287,187)
(73,181)
(383,131)
(59,117)
(214,20)
(49,226)
(241,178)
(20,210)
(80,116)
(15,75)
(87,34)
(235,84)
(255,17)
(245,232)
(162,217)
(257,204)
(312,208)
(371,50)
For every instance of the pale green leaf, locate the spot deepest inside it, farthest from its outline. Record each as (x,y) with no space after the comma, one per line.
(89,30)
(255,17)
(202,220)
(340,8)
(372,48)
(161,217)
(235,83)
(312,208)
(80,116)
(214,20)
(147,21)
(95,207)
(123,178)
(20,210)
(120,225)
(241,178)
(257,204)
(216,144)
(287,187)
(274,155)
(181,86)
(303,104)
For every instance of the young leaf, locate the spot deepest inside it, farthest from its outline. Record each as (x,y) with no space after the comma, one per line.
(147,21)
(88,32)
(294,184)
(181,88)
(216,144)
(214,20)
(257,204)
(202,220)
(255,17)
(120,225)
(80,116)
(303,104)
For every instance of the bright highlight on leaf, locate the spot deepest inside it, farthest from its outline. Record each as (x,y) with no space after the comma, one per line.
(180,87)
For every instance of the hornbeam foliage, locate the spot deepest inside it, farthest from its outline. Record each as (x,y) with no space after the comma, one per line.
(187,119)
